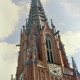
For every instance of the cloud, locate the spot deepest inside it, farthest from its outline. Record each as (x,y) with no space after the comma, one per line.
(71,41)
(26,7)
(9,17)
(72,9)
(44,1)
(8,60)
(61,24)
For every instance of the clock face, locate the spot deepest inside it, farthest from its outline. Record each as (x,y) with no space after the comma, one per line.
(55,70)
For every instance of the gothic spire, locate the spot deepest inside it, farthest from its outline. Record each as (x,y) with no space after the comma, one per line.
(37,15)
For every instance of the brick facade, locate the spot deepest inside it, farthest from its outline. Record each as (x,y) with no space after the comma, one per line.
(33,56)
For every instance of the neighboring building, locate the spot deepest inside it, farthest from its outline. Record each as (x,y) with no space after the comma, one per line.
(42,55)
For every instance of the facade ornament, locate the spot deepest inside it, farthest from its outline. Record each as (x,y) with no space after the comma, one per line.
(34,49)
(23,27)
(57,33)
(34,61)
(28,62)
(34,24)
(52,24)
(28,52)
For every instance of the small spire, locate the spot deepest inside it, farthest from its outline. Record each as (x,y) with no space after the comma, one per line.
(73,63)
(75,67)
(21,31)
(26,23)
(52,24)
(11,77)
(23,27)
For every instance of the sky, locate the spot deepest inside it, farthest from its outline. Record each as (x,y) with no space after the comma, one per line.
(13,15)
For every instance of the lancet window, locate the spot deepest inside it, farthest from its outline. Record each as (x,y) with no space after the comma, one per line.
(49,49)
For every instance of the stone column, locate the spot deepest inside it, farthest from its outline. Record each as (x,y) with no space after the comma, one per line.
(28,70)
(45,75)
(49,77)
(43,45)
(40,74)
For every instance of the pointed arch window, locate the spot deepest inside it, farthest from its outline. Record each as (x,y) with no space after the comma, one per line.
(51,57)
(48,56)
(49,49)
(49,44)
(46,43)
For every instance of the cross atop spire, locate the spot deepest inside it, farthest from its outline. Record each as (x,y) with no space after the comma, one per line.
(37,15)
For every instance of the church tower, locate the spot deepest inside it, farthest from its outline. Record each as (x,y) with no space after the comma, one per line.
(42,55)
